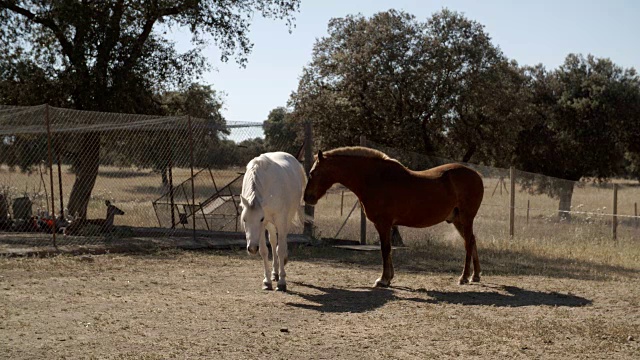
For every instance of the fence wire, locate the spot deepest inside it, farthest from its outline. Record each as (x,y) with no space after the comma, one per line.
(544,207)
(96,177)
(106,176)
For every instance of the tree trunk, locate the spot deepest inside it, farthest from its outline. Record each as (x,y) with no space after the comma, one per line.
(426,140)
(467,155)
(86,166)
(566,192)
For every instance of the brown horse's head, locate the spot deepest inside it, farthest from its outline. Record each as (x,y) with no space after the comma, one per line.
(320,180)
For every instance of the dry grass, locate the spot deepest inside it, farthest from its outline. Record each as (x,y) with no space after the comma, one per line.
(558,290)
(586,238)
(130,189)
(203,305)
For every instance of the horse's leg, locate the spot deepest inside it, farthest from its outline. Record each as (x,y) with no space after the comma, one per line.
(264,253)
(465,228)
(384,230)
(273,240)
(282,255)
(476,260)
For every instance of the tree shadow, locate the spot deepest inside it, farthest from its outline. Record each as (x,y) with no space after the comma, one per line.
(502,296)
(337,300)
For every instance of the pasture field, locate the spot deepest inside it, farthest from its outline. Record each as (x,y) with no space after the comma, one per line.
(536,300)
(133,191)
(557,290)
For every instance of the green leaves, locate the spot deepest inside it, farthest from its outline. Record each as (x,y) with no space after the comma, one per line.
(399,81)
(111,55)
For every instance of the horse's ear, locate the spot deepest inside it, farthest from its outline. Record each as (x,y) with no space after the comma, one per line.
(107,202)
(244,202)
(320,156)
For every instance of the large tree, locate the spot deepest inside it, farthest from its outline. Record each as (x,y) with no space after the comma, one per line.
(281,132)
(402,82)
(579,125)
(112,55)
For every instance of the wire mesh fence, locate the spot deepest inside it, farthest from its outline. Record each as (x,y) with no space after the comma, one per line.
(96,177)
(91,177)
(543,207)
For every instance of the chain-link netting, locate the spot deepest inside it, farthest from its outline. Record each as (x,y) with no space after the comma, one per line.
(110,176)
(96,177)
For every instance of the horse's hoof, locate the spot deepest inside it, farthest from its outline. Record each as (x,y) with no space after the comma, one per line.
(463,280)
(475,278)
(382,283)
(282,287)
(275,277)
(267,286)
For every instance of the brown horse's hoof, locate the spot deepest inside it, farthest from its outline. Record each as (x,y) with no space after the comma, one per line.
(275,277)
(382,283)
(463,280)
(282,287)
(267,286)
(475,278)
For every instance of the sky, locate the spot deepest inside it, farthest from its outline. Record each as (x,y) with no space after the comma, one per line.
(530,32)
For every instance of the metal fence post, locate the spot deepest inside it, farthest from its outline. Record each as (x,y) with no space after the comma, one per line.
(53,198)
(512,201)
(363,217)
(193,188)
(309,210)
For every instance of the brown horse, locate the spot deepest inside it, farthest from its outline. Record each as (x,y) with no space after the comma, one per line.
(391,195)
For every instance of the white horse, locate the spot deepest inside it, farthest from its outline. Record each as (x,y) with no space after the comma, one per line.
(271,199)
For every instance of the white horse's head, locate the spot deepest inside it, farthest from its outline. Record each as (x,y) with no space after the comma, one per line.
(253,222)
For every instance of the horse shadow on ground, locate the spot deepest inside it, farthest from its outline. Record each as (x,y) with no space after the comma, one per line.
(502,296)
(359,300)
(441,258)
(338,300)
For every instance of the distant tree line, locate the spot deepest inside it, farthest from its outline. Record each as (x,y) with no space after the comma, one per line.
(437,87)
(441,88)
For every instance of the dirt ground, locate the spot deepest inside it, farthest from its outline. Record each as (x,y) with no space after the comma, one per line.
(209,305)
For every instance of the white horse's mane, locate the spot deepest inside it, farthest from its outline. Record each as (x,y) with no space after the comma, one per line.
(253,183)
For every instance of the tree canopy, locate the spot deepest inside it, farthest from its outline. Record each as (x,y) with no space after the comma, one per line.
(399,81)
(440,87)
(281,132)
(114,56)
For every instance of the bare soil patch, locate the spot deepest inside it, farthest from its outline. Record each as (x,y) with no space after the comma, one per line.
(186,304)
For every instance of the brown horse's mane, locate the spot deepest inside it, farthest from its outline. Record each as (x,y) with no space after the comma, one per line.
(360,151)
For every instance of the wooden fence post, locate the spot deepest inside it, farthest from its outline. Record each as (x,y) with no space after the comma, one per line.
(512,200)
(363,217)
(614,222)
(309,210)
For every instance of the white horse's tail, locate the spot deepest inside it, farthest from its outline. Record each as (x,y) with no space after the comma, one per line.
(299,215)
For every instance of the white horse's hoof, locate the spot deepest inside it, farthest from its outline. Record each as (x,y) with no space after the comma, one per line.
(381,283)
(267,286)
(282,287)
